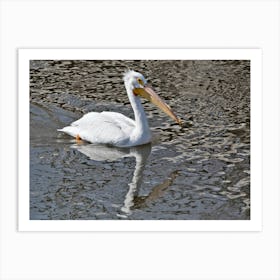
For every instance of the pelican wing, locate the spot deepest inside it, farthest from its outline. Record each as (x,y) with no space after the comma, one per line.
(106,127)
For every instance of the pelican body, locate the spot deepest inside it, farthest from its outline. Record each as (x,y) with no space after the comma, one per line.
(116,129)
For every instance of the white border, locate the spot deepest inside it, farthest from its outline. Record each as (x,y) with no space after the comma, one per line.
(25,55)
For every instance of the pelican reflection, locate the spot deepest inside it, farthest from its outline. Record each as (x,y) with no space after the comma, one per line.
(106,153)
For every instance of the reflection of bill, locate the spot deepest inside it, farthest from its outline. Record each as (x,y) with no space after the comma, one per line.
(156,192)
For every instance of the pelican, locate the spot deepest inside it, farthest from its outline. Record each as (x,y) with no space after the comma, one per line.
(116,129)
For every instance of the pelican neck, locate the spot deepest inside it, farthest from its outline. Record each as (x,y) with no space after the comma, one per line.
(139,113)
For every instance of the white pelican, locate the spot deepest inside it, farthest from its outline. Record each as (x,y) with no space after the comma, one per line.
(115,128)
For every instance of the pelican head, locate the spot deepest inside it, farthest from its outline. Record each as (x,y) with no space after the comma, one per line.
(134,79)
(137,84)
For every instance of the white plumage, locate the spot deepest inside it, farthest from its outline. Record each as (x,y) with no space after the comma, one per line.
(116,129)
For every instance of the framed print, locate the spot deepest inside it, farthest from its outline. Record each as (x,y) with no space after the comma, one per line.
(200,199)
(198,169)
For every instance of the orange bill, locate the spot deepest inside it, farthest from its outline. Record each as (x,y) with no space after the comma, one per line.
(148,93)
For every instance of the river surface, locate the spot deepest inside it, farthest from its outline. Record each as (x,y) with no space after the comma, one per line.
(200,171)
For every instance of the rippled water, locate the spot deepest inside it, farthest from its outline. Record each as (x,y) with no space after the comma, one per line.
(198,171)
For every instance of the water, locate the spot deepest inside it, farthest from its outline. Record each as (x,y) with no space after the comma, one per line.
(200,171)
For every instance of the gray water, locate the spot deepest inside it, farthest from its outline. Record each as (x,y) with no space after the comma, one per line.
(200,171)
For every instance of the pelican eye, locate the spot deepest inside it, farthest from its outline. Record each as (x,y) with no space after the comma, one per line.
(140,82)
